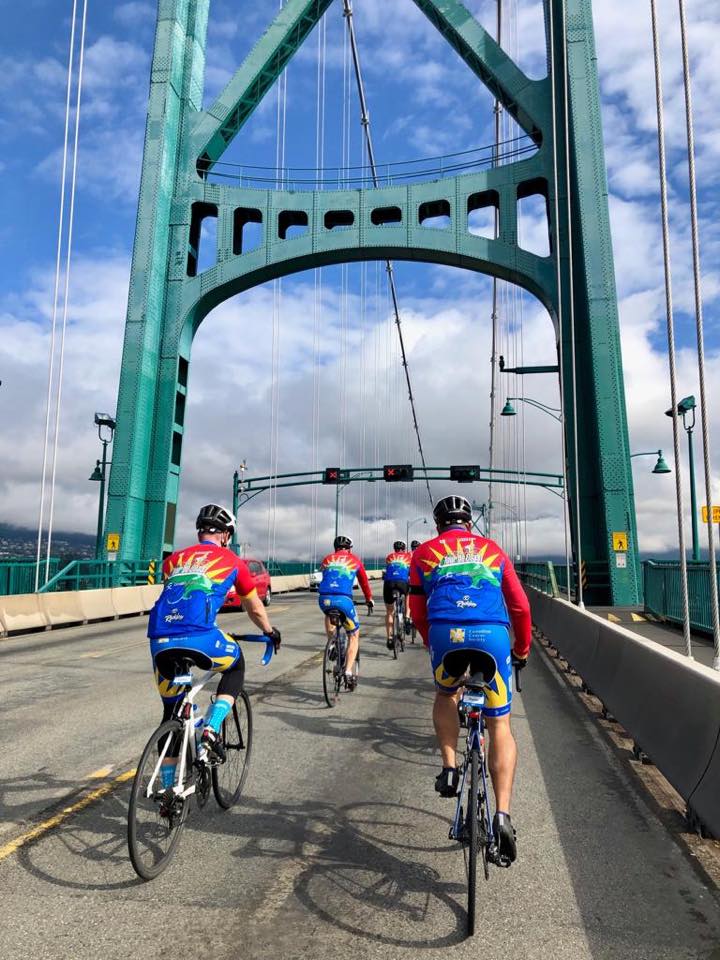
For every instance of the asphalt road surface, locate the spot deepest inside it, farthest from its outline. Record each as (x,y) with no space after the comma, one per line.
(338,848)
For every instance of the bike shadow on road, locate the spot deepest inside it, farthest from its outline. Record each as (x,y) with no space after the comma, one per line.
(35,796)
(360,870)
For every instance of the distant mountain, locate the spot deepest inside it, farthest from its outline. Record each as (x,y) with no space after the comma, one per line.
(21,542)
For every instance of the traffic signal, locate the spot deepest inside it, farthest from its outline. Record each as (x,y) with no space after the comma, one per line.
(465,474)
(395,472)
(331,475)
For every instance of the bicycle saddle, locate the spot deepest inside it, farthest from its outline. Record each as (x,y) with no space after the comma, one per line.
(337,617)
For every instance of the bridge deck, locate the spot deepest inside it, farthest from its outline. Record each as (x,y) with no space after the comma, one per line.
(666,634)
(340,847)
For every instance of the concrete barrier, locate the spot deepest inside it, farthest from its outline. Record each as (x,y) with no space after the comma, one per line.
(150,593)
(128,600)
(295,582)
(96,604)
(21,612)
(668,704)
(63,607)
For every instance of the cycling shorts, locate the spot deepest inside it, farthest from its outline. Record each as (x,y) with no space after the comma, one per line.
(208,649)
(391,587)
(480,647)
(343,603)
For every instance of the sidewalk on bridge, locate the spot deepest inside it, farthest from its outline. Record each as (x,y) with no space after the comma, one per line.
(666,634)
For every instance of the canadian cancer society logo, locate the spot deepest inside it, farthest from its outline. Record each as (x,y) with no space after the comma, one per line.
(457,636)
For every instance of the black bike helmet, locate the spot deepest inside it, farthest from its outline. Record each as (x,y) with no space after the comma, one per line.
(399,545)
(342,543)
(215,519)
(451,510)
(415,544)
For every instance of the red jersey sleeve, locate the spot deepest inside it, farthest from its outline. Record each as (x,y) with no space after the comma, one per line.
(519,609)
(244,583)
(418,602)
(166,567)
(363,580)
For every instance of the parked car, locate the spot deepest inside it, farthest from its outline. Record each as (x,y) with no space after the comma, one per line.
(261,578)
(315,579)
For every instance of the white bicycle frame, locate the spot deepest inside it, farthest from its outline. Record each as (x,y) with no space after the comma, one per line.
(188,738)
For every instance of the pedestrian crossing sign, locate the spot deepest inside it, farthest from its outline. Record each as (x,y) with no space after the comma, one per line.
(620,541)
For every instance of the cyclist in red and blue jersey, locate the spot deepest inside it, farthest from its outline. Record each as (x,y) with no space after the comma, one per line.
(182,622)
(464,595)
(396,579)
(339,570)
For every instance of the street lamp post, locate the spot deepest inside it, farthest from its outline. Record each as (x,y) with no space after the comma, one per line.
(661,465)
(509,410)
(238,489)
(685,408)
(411,523)
(106,428)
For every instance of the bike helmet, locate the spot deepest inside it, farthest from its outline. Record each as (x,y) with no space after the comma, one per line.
(415,544)
(342,543)
(399,545)
(215,519)
(451,510)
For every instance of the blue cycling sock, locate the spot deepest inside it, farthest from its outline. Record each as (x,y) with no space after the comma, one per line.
(216,714)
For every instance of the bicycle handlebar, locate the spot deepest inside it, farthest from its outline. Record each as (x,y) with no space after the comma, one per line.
(253,638)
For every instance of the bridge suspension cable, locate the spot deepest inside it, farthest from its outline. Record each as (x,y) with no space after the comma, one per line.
(670,322)
(697,284)
(67,243)
(365,122)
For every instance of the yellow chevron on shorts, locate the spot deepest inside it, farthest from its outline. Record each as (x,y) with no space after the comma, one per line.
(497,694)
(442,678)
(165,687)
(222,663)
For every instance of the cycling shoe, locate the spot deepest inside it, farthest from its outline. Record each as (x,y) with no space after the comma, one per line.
(446,782)
(505,838)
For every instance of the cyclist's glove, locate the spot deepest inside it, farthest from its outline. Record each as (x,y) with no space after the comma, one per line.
(519,662)
(370,606)
(274,635)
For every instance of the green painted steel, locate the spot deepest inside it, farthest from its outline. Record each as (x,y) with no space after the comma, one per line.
(100,574)
(18,576)
(663,594)
(168,298)
(539,574)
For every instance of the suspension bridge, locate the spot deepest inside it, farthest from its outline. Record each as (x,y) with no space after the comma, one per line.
(338,845)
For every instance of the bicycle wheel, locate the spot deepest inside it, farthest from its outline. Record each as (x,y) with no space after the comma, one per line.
(396,632)
(228,779)
(331,687)
(156,818)
(472,840)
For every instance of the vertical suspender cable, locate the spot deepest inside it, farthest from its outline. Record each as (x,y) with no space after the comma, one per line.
(317,305)
(558,275)
(571,301)
(66,293)
(670,323)
(365,122)
(56,289)
(704,418)
(497,110)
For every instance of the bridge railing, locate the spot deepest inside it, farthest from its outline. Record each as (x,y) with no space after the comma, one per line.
(18,576)
(101,574)
(540,575)
(663,593)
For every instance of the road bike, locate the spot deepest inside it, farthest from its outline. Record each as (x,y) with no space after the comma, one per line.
(472,823)
(398,624)
(334,658)
(157,814)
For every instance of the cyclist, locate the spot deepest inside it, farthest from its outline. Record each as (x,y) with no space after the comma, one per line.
(396,579)
(339,570)
(414,545)
(464,594)
(182,622)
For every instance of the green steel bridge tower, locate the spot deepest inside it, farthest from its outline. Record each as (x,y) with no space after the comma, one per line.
(169,298)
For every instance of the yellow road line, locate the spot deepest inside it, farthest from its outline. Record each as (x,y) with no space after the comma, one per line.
(99,774)
(42,828)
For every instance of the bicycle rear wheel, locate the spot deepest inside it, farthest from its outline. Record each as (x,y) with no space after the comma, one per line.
(472,840)
(228,779)
(396,632)
(331,667)
(156,817)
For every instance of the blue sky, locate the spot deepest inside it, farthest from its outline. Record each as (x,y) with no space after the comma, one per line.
(423,101)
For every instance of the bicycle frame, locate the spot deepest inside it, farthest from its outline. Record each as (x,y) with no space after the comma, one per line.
(185,716)
(473,701)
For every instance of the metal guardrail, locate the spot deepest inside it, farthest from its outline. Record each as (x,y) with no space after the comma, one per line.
(18,576)
(540,575)
(102,574)
(663,595)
